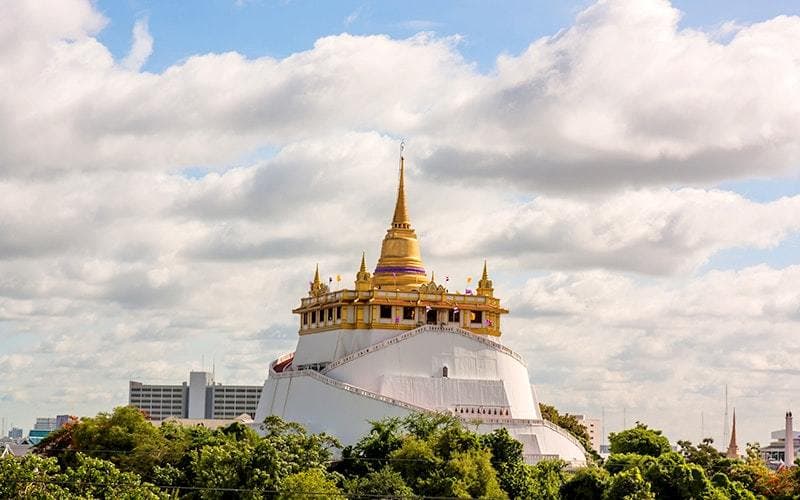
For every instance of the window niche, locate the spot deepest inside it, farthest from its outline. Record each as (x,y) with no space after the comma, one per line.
(409,312)
(386,312)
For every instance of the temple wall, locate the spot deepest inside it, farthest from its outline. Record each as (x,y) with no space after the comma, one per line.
(425,355)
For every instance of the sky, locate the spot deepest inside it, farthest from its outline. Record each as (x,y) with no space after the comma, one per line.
(171,173)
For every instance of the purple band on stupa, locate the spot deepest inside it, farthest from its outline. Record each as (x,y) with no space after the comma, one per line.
(399,270)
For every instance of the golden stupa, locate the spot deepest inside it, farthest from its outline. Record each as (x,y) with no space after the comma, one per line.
(399,295)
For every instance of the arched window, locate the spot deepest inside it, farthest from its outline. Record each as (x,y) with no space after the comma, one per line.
(444,371)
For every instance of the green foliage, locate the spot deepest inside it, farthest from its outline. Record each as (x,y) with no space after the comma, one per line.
(310,483)
(385,482)
(588,483)
(545,479)
(29,477)
(629,485)
(121,455)
(640,440)
(671,477)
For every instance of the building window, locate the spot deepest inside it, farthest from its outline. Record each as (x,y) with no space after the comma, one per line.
(477,317)
(330,314)
(454,316)
(313,316)
(339,312)
(408,312)
(305,318)
(386,312)
(444,371)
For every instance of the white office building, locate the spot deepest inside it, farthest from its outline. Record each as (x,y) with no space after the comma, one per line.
(200,398)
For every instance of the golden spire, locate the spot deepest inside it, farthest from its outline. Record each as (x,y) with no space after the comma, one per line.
(317,288)
(733,448)
(400,219)
(485,285)
(363,278)
(400,264)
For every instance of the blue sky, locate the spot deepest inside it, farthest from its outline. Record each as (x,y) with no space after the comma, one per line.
(278,28)
(639,203)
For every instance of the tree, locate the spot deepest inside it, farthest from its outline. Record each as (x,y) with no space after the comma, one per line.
(671,477)
(96,478)
(29,477)
(311,483)
(385,482)
(587,483)
(628,485)
(640,440)
(545,479)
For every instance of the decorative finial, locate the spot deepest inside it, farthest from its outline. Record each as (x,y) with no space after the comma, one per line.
(363,268)
(485,273)
(316,274)
(433,277)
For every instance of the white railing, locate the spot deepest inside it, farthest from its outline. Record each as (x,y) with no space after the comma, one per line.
(534,422)
(535,458)
(412,333)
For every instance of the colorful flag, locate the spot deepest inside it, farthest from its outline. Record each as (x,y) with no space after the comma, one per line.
(427,308)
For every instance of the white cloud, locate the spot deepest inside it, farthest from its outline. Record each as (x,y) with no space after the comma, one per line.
(141,49)
(622,98)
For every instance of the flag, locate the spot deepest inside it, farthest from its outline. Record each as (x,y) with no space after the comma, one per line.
(427,308)
(455,309)
(468,291)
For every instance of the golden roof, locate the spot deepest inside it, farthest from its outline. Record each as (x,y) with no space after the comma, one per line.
(400,265)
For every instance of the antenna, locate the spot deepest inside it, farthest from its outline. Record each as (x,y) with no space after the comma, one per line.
(603,428)
(725,423)
(702,427)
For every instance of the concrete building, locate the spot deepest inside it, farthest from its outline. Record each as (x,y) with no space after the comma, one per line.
(45,424)
(15,433)
(781,451)
(200,398)
(399,342)
(594,426)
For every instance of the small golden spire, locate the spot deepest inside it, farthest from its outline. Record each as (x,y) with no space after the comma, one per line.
(485,285)
(317,288)
(363,278)
(433,277)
